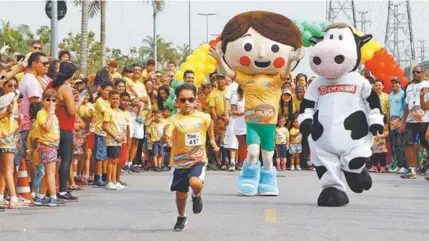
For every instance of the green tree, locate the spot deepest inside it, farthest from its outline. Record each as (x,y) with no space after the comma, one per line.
(184,51)
(44,35)
(17,38)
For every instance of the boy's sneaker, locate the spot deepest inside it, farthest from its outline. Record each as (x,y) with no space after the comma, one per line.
(197,204)
(410,174)
(232,168)
(298,168)
(292,168)
(180,224)
(67,197)
(119,186)
(40,201)
(383,170)
(111,186)
(52,202)
(373,169)
(402,170)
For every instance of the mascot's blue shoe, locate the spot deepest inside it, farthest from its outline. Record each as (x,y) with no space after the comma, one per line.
(268,183)
(248,181)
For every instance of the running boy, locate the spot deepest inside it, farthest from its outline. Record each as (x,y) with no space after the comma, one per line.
(187,130)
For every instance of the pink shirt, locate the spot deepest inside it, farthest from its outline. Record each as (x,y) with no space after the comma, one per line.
(29,86)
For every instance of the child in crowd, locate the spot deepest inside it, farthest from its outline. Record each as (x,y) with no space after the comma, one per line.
(295,147)
(78,153)
(123,107)
(222,156)
(115,124)
(379,150)
(47,134)
(282,143)
(155,129)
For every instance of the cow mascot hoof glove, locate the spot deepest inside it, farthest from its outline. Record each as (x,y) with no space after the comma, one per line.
(340,113)
(257,50)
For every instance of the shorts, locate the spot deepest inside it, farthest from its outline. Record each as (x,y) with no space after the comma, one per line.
(91,141)
(179,180)
(113,152)
(414,129)
(281,150)
(261,134)
(157,148)
(100,148)
(295,148)
(123,159)
(48,154)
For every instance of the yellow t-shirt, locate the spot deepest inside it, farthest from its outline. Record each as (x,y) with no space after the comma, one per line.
(8,129)
(262,96)
(282,135)
(384,101)
(296,103)
(138,87)
(295,139)
(155,131)
(286,109)
(118,122)
(188,135)
(47,138)
(101,106)
(116,75)
(217,100)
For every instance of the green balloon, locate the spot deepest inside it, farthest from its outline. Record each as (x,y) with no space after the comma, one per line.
(170,103)
(172,94)
(316,30)
(306,24)
(324,25)
(300,27)
(306,38)
(179,83)
(173,84)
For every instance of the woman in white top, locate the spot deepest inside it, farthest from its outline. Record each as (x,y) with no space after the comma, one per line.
(237,109)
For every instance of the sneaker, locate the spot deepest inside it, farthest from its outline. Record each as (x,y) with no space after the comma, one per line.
(67,197)
(410,174)
(4,203)
(395,170)
(232,168)
(111,186)
(52,202)
(99,183)
(123,183)
(17,205)
(119,186)
(298,167)
(60,201)
(402,170)
(292,168)
(197,204)
(40,201)
(135,169)
(180,224)
(373,169)
(223,167)
(383,170)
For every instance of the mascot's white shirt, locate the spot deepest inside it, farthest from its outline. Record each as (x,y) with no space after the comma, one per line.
(412,99)
(335,102)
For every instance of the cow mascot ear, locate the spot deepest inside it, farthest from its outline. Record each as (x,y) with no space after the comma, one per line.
(361,41)
(316,39)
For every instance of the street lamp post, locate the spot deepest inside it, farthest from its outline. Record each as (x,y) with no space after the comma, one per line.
(207,23)
(54,28)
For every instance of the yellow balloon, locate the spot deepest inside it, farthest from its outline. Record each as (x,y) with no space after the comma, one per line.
(186,66)
(199,67)
(205,48)
(200,78)
(196,51)
(201,57)
(366,54)
(210,68)
(190,59)
(179,75)
(373,45)
(211,60)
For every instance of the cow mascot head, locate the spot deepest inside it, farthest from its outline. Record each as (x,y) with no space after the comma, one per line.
(337,52)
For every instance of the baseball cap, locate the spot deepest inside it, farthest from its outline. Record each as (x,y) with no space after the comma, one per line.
(286,91)
(396,79)
(78,81)
(113,64)
(220,75)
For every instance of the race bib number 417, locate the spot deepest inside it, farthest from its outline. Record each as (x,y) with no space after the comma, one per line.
(193,139)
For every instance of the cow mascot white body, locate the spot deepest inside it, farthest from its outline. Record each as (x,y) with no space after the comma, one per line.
(340,114)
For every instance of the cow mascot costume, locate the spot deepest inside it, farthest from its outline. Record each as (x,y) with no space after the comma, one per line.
(340,114)
(257,50)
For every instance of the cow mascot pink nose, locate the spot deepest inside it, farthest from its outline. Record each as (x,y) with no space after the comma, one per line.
(340,114)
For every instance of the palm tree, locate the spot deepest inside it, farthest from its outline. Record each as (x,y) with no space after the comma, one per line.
(89,10)
(103,32)
(158,6)
(17,38)
(184,51)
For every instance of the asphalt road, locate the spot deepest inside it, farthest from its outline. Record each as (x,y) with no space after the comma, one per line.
(394,209)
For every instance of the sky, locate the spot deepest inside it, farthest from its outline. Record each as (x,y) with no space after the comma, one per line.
(128,22)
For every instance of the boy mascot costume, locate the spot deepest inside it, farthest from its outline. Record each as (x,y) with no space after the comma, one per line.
(257,50)
(340,114)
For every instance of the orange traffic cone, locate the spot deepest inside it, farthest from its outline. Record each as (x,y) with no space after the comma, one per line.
(23,185)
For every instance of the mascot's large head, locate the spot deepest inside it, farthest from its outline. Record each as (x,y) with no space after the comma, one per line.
(337,52)
(259,42)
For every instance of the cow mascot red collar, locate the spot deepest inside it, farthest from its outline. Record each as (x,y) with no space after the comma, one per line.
(340,114)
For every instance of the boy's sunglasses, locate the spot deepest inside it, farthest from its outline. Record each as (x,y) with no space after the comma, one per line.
(190,100)
(49,99)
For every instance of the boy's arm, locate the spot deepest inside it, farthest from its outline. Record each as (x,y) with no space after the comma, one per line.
(212,136)
(109,131)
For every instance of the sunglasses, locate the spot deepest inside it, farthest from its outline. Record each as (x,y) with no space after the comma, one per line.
(12,85)
(49,99)
(37,48)
(190,100)
(158,76)
(417,72)
(171,76)
(2,77)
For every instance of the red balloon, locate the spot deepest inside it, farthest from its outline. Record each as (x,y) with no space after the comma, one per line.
(404,82)
(218,38)
(212,43)
(387,87)
(401,74)
(382,77)
(379,55)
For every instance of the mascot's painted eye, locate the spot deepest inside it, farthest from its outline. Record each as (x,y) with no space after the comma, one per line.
(340,37)
(331,36)
(275,48)
(248,46)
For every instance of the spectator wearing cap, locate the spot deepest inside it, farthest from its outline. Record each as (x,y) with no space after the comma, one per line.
(113,67)
(79,85)
(396,110)
(287,107)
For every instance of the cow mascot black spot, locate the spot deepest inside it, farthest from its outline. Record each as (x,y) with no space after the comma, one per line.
(340,114)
